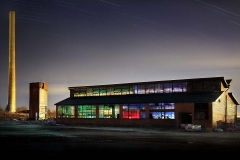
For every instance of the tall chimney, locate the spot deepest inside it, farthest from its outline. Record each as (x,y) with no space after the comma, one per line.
(11,65)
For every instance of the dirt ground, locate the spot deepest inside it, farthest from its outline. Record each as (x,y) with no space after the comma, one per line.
(21,138)
(8,116)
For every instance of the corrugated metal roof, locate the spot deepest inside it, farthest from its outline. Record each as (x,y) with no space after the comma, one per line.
(144,98)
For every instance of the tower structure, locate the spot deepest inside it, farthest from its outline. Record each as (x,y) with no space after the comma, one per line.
(38,100)
(11,65)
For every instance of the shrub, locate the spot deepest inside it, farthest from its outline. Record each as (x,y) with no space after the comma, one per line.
(22,108)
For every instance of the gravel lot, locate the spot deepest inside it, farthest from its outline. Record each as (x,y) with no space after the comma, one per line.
(45,139)
(29,139)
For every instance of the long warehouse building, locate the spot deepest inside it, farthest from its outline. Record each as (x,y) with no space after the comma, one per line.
(172,103)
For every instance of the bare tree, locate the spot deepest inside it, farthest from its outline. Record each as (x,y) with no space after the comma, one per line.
(51,114)
(2,110)
(7,108)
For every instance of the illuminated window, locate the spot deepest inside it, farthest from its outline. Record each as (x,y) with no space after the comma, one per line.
(125,90)
(169,115)
(141,89)
(184,86)
(80,92)
(156,115)
(179,87)
(86,111)
(109,91)
(103,91)
(168,106)
(167,88)
(89,92)
(117,90)
(131,90)
(161,110)
(158,88)
(135,89)
(150,88)
(108,111)
(66,111)
(95,91)
(134,111)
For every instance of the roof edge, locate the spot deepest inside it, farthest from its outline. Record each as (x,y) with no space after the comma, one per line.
(233,98)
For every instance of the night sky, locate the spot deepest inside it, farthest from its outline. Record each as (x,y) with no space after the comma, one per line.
(94,42)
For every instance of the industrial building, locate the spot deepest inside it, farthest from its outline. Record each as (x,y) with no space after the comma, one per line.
(38,100)
(172,103)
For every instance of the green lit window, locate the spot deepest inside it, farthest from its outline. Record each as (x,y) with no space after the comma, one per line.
(131,90)
(109,111)
(103,91)
(125,90)
(86,111)
(116,91)
(80,92)
(95,91)
(66,111)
